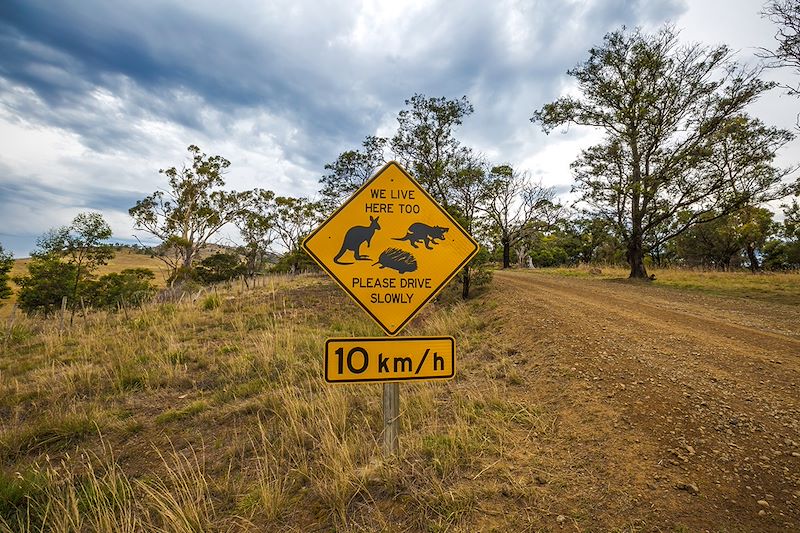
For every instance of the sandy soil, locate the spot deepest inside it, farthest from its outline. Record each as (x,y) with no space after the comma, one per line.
(673,411)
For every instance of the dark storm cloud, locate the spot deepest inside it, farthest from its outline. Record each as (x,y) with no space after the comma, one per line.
(286,61)
(169,54)
(23,191)
(306,80)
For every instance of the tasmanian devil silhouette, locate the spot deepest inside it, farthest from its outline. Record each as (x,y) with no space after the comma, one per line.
(422,232)
(354,238)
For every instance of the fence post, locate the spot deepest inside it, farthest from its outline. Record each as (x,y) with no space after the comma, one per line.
(63,311)
(10,326)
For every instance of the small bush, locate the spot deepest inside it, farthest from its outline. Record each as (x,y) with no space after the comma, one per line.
(210,302)
(178,414)
(219,267)
(130,287)
(51,433)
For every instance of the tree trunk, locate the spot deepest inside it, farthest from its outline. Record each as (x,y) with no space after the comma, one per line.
(188,258)
(751,255)
(506,252)
(465,283)
(636,258)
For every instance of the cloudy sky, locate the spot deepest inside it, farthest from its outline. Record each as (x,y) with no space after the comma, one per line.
(96,96)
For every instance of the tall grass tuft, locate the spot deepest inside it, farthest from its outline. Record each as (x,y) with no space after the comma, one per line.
(180,501)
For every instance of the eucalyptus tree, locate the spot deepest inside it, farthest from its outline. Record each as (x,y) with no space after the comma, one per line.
(666,110)
(725,242)
(783,252)
(190,211)
(786,15)
(294,219)
(425,142)
(256,225)
(468,192)
(65,261)
(351,170)
(514,204)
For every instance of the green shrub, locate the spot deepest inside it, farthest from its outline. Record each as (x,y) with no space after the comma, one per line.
(6,263)
(130,287)
(219,267)
(212,301)
(47,282)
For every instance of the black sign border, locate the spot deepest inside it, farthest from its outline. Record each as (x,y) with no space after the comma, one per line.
(384,339)
(436,291)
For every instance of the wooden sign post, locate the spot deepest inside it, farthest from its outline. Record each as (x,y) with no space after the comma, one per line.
(391,418)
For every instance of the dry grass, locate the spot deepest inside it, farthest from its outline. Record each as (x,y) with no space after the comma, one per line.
(198,417)
(783,287)
(215,417)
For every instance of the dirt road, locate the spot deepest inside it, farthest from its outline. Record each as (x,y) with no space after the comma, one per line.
(673,411)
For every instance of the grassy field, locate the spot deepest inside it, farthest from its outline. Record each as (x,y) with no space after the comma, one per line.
(781,287)
(211,415)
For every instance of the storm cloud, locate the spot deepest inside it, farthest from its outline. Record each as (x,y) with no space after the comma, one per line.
(95,96)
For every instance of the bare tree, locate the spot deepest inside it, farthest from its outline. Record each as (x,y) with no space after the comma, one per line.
(513,203)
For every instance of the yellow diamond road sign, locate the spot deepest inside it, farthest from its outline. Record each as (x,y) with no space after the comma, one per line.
(391,247)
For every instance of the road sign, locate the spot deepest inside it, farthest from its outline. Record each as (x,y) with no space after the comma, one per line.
(391,247)
(384,359)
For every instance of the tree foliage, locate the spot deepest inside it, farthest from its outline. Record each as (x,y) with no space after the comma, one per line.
(425,142)
(256,225)
(783,252)
(192,209)
(467,191)
(81,246)
(786,16)
(132,286)
(669,113)
(220,267)
(6,264)
(294,219)
(725,242)
(350,171)
(48,281)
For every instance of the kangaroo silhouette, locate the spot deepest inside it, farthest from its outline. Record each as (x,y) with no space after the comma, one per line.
(354,238)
